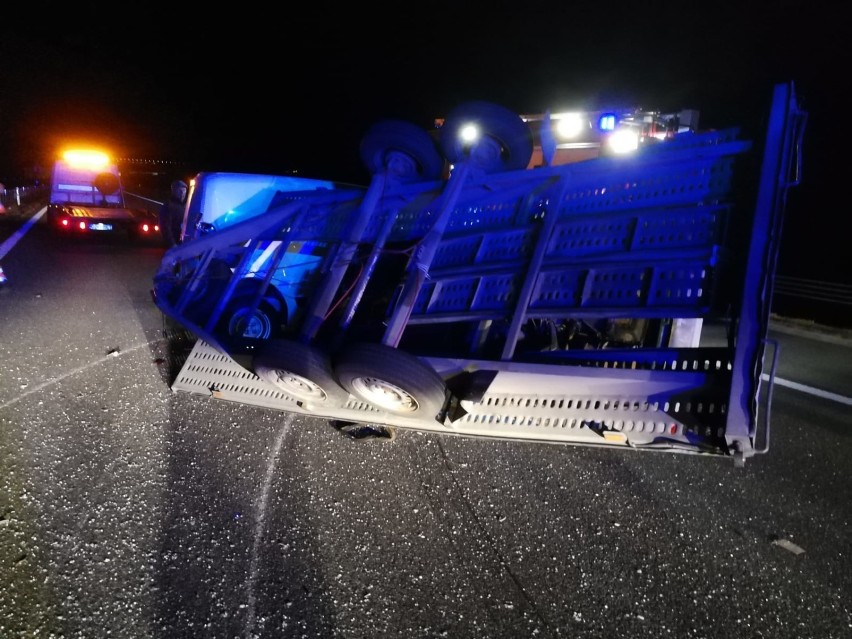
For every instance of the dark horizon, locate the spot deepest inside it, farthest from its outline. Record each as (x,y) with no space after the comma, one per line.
(247,92)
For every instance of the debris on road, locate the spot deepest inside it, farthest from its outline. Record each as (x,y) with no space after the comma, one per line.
(786,544)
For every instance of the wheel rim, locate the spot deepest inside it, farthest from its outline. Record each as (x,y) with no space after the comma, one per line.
(486,153)
(258,326)
(298,386)
(383,393)
(400,164)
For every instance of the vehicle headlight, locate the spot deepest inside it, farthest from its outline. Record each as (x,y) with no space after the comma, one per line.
(623,141)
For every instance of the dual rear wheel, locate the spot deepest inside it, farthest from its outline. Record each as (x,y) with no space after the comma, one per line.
(386,378)
(489,136)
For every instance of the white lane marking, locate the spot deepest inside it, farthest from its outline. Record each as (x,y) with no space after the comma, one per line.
(7,246)
(258,528)
(79,369)
(810,390)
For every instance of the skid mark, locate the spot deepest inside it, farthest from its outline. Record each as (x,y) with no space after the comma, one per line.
(80,369)
(259,525)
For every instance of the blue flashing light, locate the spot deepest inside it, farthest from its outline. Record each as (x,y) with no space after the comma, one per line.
(607,122)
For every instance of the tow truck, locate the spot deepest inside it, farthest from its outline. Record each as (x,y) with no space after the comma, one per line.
(496,280)
(87,199)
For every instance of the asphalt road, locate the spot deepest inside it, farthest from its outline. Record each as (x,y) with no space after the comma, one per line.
(129,510)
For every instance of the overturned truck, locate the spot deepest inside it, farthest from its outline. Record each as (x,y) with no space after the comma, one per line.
(617,300)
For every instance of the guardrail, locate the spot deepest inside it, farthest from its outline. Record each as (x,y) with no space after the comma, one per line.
(20,195)
(828,303)
(13,199)
(816,290)
(136,201)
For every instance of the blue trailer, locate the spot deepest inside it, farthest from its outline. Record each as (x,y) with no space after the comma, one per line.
(619,300)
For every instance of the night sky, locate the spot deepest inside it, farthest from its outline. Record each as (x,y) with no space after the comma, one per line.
(254,87)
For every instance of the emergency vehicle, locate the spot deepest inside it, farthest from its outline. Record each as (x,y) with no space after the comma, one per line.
(87,199)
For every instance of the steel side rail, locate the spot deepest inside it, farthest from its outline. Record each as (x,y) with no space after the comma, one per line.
(781,154)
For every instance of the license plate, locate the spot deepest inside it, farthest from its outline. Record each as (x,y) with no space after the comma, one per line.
(100,226)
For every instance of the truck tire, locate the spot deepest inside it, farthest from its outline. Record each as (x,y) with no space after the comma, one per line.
(299,370)
(269,319)
(506,140)
(264,324)
(388,144)
(391,380)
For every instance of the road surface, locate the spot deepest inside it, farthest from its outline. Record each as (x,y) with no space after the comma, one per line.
(129,510)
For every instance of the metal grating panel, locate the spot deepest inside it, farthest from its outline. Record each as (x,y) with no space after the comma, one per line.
(483,218)
(211,373)
(585,407)
(673,183)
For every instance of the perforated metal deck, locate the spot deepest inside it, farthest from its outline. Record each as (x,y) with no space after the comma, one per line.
(594,405)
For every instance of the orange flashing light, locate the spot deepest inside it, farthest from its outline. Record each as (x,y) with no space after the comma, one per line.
(86,159)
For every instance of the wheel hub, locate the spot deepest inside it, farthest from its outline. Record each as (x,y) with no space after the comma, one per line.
(299,386)
(383,393)
(258,326)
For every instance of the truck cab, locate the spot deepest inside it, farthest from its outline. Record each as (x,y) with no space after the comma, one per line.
(216,203)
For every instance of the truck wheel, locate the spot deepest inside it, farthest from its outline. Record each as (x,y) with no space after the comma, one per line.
(299,370)
(263,324)
(403,149)
(391,380)
(505,142)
